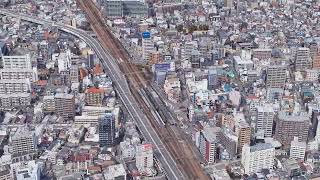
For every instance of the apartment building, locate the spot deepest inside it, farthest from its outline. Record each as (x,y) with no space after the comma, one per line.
(257,157)
(243,130)
(17,86)
(65,106)
(276,76)
(119,8)
(17,62)
(107,130)
(208,142)
(290,126)
(49,103)
(303,59)
(16,74)
(297,149)
(23,141)
(144,156)
(94,96)
(261,54)
(265,117)
(9,101)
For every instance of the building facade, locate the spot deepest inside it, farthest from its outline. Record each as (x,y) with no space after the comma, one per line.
(119,8)
(17,62)
(229,141)
(107,130)
(74,74)
(208,144)
(243,130)
(81,161)
(297,149)
(94,96)
(265,116)
(147,48)
(65,106)
(49,104)
(23,141)
(261,54)
(303,59)
(276,76)
(212,79)
(290,126)
(144,156)
(314,49)
(17,86)
(16,74)
(316,61)
(257,157)
(15,100)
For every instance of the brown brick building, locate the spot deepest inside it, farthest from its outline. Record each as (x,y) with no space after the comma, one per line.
(290,126)
(316,61)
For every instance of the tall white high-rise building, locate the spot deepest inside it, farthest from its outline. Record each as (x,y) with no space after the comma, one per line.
(257,157)
(147,47)
(265,115)
(297,149)
(144,156)
(63,59)
(16,78)
(17,62)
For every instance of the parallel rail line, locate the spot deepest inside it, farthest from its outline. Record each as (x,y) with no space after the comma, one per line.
(179,148)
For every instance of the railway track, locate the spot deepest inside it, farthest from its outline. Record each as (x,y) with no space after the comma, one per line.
(179,148)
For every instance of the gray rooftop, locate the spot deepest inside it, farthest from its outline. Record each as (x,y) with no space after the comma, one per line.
(260,147)
(301,117)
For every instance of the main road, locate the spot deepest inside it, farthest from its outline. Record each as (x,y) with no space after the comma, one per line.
(121,85)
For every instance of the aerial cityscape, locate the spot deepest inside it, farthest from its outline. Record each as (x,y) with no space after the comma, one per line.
(156,90)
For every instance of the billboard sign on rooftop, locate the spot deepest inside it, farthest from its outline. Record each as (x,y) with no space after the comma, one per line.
(146,35)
